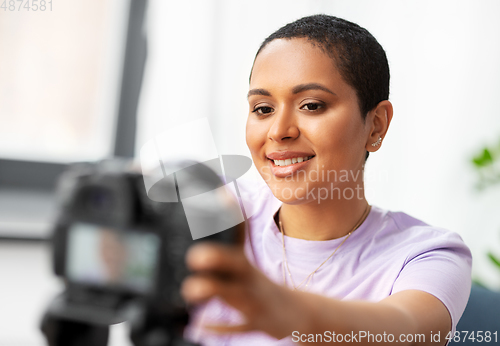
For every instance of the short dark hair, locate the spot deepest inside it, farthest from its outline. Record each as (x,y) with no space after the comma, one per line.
(360,59)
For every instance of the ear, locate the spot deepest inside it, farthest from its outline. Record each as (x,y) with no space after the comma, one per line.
(377,123)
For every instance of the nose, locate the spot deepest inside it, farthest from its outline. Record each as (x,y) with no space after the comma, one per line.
(284,126)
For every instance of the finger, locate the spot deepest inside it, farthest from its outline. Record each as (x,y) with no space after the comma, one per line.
(197,289)
(226,328)
(202,287)
(217,257)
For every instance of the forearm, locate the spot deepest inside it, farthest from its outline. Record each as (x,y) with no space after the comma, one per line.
(306,314)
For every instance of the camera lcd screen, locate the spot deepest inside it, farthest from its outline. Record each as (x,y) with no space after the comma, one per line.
(102,256)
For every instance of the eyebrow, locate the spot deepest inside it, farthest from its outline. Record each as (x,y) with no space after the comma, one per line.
(296,90)
(262,92)
(311,86)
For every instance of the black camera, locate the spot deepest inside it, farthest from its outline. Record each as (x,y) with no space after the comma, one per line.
(121,254)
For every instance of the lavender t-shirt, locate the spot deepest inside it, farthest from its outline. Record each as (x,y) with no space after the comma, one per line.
(390,252)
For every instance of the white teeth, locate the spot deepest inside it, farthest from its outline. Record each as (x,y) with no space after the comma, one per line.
(288,162)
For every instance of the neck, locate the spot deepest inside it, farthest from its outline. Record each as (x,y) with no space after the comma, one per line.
(322,221)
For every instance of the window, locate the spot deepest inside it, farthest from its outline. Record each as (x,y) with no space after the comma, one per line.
(69,83)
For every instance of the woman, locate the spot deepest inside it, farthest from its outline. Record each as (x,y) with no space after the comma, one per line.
(320,264)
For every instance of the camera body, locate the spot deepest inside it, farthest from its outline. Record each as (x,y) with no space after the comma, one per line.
(120,253)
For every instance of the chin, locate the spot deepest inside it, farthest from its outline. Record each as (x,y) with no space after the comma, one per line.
(290,193)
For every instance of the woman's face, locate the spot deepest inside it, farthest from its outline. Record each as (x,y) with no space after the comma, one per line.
(304,128)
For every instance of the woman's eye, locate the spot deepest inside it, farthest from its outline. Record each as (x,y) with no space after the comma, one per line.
(312,106)
(263,110)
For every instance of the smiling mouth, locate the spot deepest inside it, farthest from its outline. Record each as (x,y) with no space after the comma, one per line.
(291,161)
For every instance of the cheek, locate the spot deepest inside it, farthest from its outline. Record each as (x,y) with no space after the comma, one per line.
(256,135)
(336,138)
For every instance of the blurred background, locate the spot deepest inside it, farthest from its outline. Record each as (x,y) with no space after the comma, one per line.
(91,79)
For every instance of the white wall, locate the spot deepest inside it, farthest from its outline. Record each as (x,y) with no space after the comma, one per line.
(444,58)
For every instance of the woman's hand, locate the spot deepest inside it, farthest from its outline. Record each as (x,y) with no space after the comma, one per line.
(224,271)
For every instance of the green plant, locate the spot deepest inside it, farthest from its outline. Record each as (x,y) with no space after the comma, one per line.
(487,165)
(494,259)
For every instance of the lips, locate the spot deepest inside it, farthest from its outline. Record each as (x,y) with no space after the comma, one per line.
(283,155)
(285,163)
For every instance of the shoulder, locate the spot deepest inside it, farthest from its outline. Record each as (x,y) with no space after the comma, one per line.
(418,237)
(409,246)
